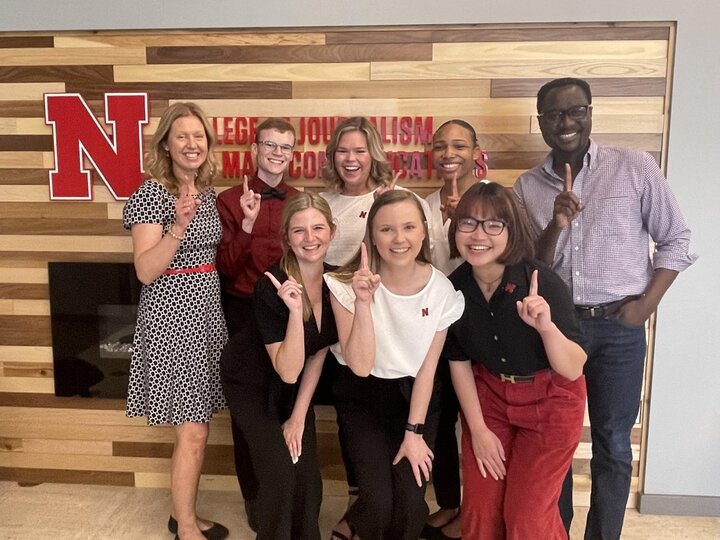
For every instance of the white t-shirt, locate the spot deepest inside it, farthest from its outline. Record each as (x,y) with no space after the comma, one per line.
(350,215)
(404,325)
(439,236)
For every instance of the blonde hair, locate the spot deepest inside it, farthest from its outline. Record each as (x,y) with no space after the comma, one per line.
(380,172)
(289,263)
(345,272)
(158,163)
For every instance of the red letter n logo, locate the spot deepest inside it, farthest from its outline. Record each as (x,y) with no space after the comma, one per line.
(425,312)
(77,134)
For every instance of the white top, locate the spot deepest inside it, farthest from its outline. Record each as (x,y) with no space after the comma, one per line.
(404,325)
(350,215)
(439,236)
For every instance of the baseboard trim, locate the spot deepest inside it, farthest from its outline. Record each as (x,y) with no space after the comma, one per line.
(679,505)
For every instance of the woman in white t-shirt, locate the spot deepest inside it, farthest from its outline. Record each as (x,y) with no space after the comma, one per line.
(392,309)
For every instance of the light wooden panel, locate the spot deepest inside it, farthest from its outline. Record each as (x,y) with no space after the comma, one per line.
(18,91)
(478,69)
(72,56)
(551,50)
(485,74)
(243,72)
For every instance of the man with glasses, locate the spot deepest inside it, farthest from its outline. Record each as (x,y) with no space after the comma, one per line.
(251,216)
(595,210)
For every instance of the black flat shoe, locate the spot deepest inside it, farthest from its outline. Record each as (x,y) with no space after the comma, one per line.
(216,532)
(438,534)
(172,524)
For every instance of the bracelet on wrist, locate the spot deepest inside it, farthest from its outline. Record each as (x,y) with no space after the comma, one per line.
(175,236)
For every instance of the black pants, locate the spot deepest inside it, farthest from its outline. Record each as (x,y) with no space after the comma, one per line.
(287,504)
(238,315)
(390,506)
(446,466)
(324,396)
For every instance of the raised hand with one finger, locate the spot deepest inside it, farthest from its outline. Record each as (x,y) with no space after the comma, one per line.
(534,309)
(567,205)
(290,291)
(364,282)
(250,205)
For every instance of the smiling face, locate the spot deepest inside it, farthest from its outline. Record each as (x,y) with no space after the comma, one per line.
(568,138)
(398,232)
(272,164)
(480,249)
(188,145)
(353,163)
(454,152)
(309,235)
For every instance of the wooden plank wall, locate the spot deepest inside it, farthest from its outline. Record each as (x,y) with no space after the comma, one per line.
(488,75)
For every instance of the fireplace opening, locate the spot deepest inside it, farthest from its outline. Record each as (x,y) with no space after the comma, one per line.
(93,309)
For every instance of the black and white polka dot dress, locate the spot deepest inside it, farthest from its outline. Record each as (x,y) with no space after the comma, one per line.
(180,332)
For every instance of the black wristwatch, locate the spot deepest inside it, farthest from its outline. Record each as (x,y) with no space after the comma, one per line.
(415,428)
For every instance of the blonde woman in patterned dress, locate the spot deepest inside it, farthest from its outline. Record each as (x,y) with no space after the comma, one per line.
(180,333)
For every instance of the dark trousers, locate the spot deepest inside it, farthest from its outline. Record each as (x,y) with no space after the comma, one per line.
(614,374)
(390,505)
(538,424)
(446,466)
(287,504)
(238,315)
(324,396)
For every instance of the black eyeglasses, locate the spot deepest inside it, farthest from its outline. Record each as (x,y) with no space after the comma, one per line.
(578,112)
(271,146)
(492,227)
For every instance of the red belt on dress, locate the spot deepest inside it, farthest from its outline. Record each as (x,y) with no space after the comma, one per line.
(202,269)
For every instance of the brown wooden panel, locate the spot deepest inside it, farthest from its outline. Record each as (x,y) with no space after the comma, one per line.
(28,477)
(535,143)
(188,90)
(26,143)
(390,89)
(27,291)
(50,209)
(61,227)
(367,52)
(22,177)
(218,458)
(505,33)
(30,330)
(515,160)
(22,109)
(21,42)
(48,401)
(640,86)
(28,257)
(73,74)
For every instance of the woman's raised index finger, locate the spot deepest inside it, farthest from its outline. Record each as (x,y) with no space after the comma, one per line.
(273,280)
(363,256)
(246,188)
(534,283)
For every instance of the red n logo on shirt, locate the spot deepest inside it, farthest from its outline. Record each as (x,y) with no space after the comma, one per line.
(77,135)
(425,312)
(362,215)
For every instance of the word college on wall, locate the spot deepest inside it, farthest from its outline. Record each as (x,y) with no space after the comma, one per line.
(117,157)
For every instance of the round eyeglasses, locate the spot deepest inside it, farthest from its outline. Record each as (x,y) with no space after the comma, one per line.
(492,227)
(271,146)
(578,112)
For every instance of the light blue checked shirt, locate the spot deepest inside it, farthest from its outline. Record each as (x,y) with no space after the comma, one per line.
(604,255)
